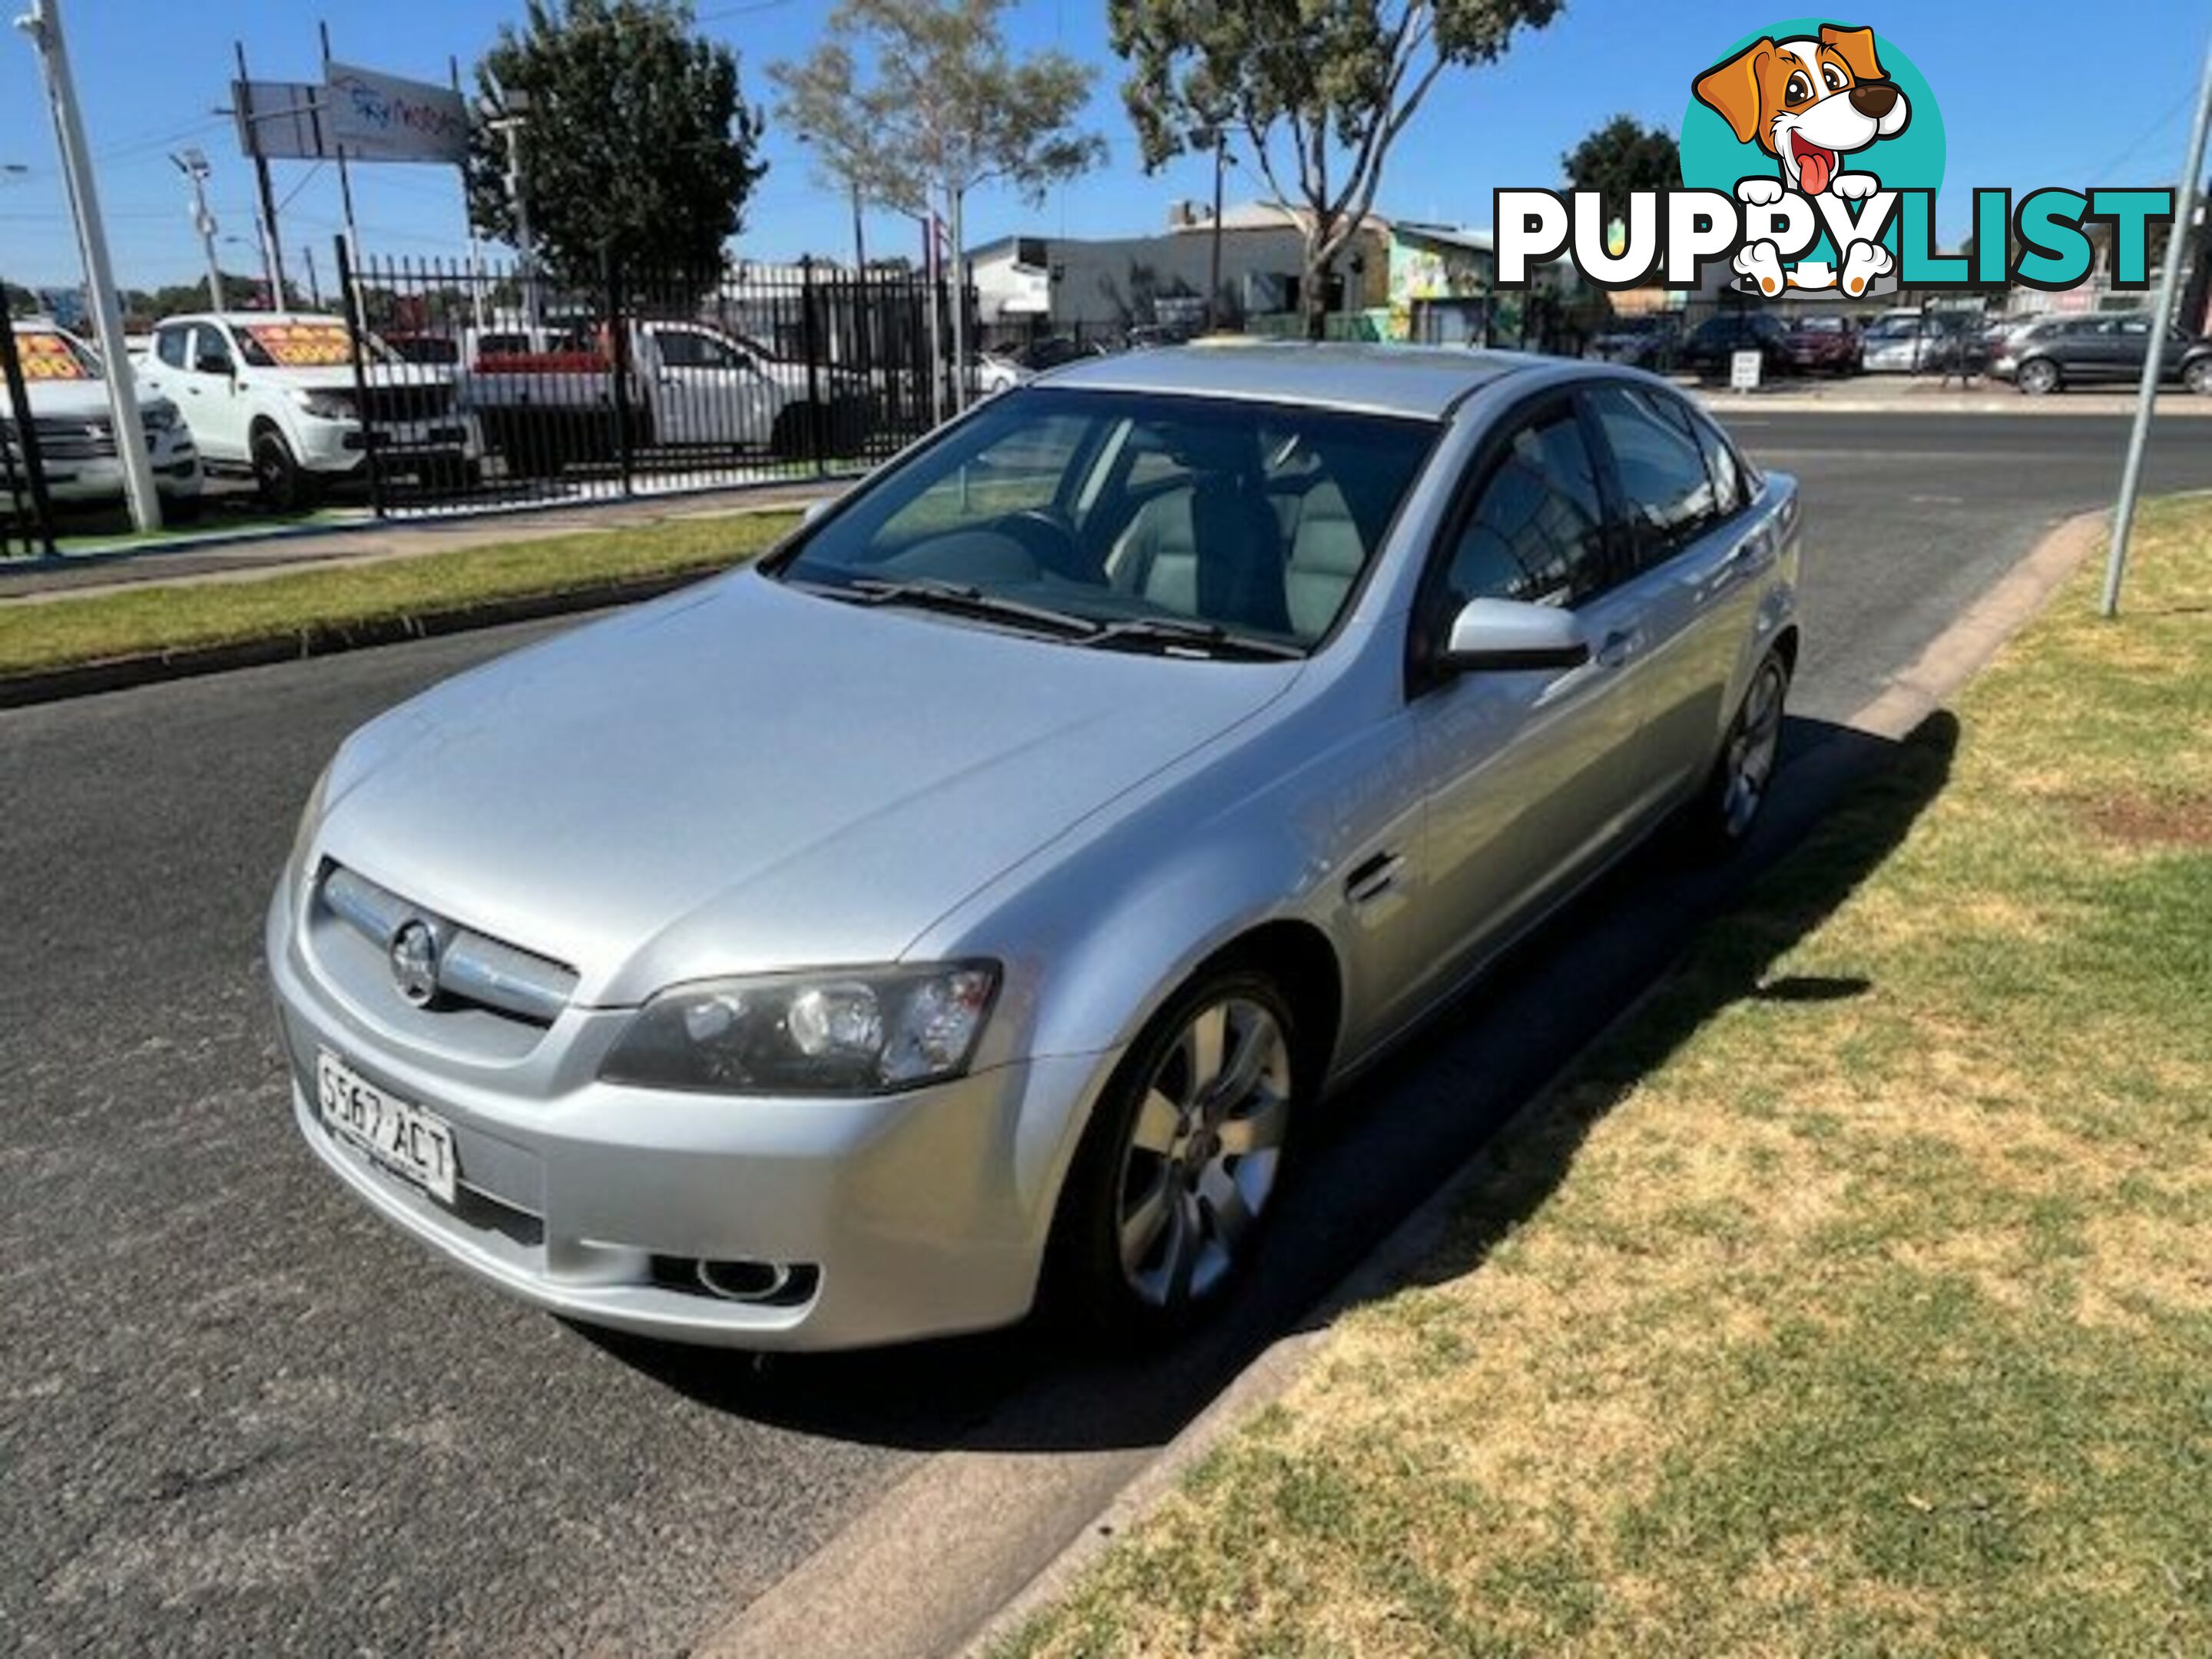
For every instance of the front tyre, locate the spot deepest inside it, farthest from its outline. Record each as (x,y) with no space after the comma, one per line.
(2040,377)
(1165,1204)
(1726,812)
(284,485)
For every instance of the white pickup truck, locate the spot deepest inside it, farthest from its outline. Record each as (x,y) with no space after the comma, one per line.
(274,395)
(63,380)
(547,396)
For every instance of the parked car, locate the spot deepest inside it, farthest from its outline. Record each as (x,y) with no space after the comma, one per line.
(66,383)
(274,395)
(1895,342)
(1646,341)
(546,396)
(1003,370)
(975,899)
(1712,345)
(1822,343)
(2099,350)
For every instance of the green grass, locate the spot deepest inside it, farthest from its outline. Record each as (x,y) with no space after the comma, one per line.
(1854,1296)
(328,601)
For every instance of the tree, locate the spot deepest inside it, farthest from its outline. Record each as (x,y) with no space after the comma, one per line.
(1332,83)
(1621,158)
(915,103)
(635,139)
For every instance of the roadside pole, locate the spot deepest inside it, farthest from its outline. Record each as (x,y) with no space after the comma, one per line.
(43,24)
(272,247)
(2123,514)
(193,164)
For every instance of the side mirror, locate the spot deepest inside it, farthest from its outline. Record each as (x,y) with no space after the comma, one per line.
(210,363)
(1507,636)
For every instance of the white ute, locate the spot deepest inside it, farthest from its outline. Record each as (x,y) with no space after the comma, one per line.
(68,393)
(275,395)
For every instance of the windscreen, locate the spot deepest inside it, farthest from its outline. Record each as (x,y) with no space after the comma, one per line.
(1258,519)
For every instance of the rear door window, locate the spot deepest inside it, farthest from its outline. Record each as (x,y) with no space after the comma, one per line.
(1668,494)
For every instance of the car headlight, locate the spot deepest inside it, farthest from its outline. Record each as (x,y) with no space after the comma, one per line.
(311,818)
(159,415)
(862,1031)
(326,405)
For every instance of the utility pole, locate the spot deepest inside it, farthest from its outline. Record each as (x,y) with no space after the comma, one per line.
(43,24)
(2123,514)
(314,282)
(193,164)
(273,246)
(508,116)
(1213,319)
(468,215)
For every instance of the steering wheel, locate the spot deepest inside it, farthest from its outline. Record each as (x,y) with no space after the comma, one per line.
(1046,534)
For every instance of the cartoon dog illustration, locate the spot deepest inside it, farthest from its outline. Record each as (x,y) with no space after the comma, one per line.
(1809,101)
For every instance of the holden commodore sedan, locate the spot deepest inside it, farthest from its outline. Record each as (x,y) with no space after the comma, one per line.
(973,902)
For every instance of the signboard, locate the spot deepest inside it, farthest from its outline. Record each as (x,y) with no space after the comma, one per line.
(302,345)
(373,116)
(1743,371)
(358,113)
(50,357)
(276,119)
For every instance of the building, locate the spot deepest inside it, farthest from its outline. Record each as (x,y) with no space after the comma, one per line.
(1397,280)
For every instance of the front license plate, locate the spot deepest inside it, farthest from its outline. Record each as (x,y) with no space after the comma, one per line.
(406,1139)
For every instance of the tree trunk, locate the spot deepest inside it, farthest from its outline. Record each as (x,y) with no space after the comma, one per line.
(1313,293)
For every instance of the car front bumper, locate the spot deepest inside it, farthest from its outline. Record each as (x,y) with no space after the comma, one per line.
(910,1215)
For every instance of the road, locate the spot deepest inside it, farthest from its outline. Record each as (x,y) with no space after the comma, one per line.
(237,1413)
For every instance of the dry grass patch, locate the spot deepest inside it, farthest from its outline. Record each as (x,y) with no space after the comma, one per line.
(1869,1314)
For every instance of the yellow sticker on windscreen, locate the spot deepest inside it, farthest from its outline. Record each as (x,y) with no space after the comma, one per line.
(302,345)
(50,357)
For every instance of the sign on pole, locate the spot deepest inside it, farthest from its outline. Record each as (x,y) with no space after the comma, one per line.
(372,116)
(277,120)
(1743,371)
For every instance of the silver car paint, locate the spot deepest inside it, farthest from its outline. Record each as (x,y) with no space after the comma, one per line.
(746,777)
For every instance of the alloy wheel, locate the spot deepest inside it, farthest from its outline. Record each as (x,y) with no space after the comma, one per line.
(1752,748)
(2038,378)
(1204,1151)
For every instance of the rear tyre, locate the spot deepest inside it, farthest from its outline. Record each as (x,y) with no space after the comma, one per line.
(1171,1185)
(284,485)
(2040,378)
(1728,808)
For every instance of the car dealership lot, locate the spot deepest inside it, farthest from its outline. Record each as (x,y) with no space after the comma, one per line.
(237,1410)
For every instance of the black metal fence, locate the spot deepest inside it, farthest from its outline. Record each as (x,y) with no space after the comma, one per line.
(477,383)
(27,518)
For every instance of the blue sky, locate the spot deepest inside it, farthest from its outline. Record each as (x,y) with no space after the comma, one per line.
(2033,93)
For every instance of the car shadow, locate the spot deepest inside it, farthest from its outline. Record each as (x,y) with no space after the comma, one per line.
(1390,1141)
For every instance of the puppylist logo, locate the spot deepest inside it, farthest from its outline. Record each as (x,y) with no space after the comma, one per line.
(1812,152)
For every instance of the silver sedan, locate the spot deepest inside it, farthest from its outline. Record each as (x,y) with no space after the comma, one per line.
(972,903)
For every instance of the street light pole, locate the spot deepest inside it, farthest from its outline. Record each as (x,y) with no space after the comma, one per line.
(508,116)
(1213,319)
(193,164)
(2123,514)
(43,24)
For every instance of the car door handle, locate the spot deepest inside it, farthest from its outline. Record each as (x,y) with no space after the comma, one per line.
(1372,878)
(1614,649)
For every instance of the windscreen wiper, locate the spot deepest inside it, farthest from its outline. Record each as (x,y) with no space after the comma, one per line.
(959,599)
(1190,634)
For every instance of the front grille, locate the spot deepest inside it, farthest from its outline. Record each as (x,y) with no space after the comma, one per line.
(392,405)
(473,969)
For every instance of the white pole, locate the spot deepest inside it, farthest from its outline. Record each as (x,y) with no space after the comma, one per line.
(2123,515)
(44,25)
(959,303)
(194,167)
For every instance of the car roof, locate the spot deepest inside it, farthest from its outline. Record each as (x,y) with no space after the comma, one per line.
(251,318)
(1420,381)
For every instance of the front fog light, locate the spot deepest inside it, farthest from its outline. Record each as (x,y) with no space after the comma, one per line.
(857,1032)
